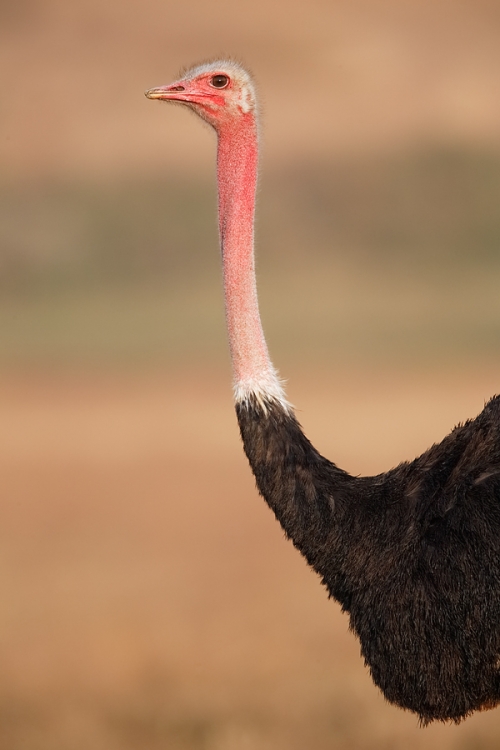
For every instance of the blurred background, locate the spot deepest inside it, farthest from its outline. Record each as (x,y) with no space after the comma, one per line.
(148,597)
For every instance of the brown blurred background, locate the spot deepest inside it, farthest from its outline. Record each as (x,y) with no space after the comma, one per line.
(147,596)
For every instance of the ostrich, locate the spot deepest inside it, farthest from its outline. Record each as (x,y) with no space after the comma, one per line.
(412,555)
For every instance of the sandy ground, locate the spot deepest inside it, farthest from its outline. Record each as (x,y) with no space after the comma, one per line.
(149,598)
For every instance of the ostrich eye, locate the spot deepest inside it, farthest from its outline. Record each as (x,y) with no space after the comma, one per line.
(219,81)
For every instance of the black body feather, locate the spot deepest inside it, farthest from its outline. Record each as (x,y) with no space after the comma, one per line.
(413,555)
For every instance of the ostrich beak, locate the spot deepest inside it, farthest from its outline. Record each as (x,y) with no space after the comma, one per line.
(174,92)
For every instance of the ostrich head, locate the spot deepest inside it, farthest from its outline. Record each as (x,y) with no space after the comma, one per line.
(220,92)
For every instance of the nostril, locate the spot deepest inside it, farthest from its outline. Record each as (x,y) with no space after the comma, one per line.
(177,88)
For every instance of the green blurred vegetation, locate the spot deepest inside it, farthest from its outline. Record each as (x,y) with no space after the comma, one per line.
(435,207)
(391,256)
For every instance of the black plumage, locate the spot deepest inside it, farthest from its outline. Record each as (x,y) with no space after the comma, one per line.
(413,555)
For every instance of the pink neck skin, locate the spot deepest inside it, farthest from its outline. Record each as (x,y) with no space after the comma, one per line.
(237,156)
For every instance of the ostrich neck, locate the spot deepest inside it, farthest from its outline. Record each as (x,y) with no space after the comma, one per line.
(237,157)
